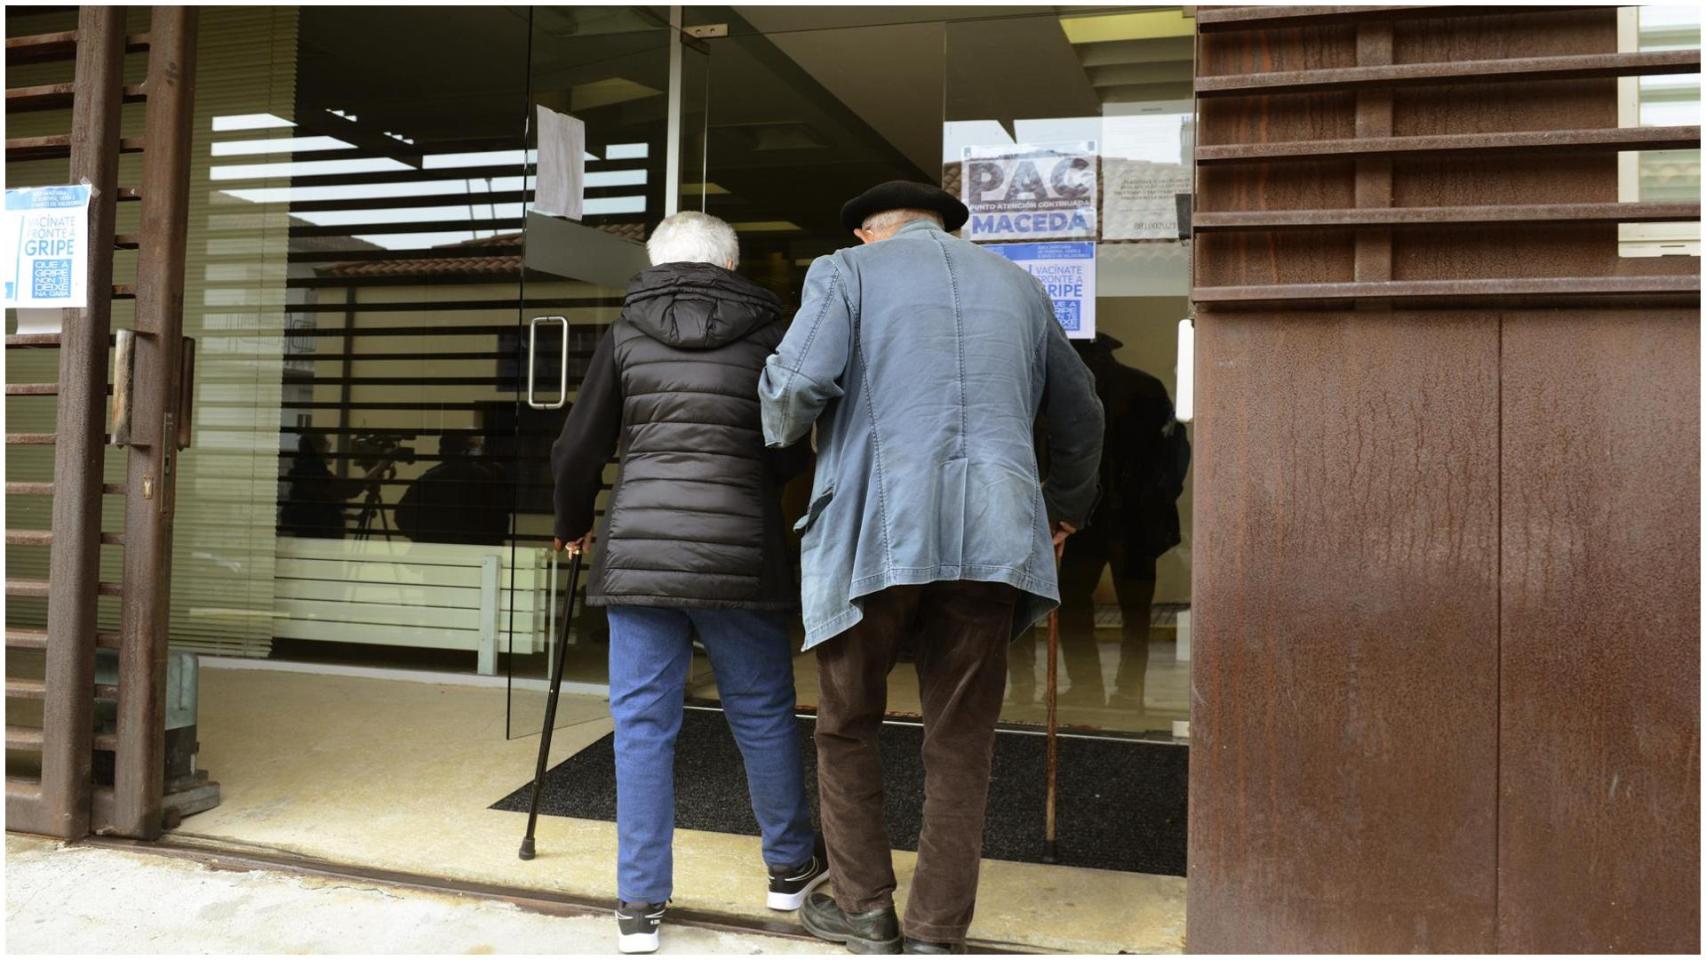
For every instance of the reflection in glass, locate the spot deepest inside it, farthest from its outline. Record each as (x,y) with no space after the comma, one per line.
(1091,115)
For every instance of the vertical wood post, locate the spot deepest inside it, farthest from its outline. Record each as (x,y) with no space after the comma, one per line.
(139,772)
(75,567)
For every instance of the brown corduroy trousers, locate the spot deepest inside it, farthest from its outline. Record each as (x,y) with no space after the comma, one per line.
(961,630)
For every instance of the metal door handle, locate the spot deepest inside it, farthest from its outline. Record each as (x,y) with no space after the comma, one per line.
(562,366)
(186,393)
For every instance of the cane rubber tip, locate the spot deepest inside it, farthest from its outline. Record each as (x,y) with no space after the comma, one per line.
(527,849)
(1049,853)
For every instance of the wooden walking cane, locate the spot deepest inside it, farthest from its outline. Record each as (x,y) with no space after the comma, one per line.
(551,704)
(1050,698)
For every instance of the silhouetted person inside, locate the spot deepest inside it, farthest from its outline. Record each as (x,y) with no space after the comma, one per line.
(460,500)
(314,506)
(1144,459)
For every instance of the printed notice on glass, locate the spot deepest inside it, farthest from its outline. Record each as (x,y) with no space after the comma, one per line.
(1030,191)
(46,247)
(1067,272)
(1141,199)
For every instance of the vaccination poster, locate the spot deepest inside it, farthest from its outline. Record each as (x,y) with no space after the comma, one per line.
(1067,272)
(46,247)
(1030,191)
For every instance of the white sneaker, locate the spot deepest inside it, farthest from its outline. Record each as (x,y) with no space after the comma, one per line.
(637,926)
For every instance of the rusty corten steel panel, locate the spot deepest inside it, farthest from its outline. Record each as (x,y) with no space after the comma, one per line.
(1346,787)
(1600,622)
(1344,651)
(1434,73)
(1558,31)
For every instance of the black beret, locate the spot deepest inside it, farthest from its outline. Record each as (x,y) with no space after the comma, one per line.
(904,195)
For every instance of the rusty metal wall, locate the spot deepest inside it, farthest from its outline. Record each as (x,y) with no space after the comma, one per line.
(1438,608)
(1344,662)
(1599,779)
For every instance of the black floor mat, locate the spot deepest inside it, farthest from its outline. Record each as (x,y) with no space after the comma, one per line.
(1121,804)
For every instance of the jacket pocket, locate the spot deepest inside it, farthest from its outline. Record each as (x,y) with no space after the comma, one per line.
(819,504)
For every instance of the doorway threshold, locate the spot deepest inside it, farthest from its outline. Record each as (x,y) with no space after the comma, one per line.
(216,854)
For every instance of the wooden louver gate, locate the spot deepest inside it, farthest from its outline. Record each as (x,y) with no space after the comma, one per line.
(150,404)
(1445,668)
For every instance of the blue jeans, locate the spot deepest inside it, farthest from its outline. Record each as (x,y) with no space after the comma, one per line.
(650,652)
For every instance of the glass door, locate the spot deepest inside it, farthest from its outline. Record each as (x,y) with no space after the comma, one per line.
(1074,156)
(371,210)
(810,106)
(615,139)
(806,108)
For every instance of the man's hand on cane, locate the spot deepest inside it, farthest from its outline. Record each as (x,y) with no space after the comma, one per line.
(573,547)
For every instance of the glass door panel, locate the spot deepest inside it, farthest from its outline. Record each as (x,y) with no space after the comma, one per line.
(612,83)
(799,120)
(362,236)
(1075,131)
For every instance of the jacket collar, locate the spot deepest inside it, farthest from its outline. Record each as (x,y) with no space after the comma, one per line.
(917,226)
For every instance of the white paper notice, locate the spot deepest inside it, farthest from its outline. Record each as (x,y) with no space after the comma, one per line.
(562,165)
(1145,166)
(1141,199)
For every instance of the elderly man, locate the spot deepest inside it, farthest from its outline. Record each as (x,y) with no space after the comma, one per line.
(923,360)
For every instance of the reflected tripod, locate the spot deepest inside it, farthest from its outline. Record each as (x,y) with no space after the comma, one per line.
(373,505)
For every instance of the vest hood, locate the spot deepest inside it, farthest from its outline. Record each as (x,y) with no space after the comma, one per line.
(697,306)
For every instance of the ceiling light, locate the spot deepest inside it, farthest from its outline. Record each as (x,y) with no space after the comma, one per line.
(1150,25)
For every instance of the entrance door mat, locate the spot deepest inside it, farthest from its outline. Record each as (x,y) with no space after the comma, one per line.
(1121,803)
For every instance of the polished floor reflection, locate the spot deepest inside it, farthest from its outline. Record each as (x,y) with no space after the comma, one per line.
(1165,680)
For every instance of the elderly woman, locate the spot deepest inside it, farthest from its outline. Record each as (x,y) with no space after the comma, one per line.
(692,542)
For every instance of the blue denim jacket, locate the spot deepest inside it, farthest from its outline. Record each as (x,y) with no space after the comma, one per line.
(924,361)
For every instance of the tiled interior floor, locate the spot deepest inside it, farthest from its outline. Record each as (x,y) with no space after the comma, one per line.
(399,775)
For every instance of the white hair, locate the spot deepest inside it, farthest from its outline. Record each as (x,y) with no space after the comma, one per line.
(895,219)
(694,237)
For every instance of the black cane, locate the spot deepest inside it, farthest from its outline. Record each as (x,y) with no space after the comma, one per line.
(551,705)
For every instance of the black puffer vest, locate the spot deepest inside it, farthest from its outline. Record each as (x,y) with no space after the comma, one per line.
(695,517)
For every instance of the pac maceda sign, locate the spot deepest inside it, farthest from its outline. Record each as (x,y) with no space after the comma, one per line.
(1030,191)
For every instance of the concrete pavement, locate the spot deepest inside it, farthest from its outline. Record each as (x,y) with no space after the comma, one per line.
(79,899)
